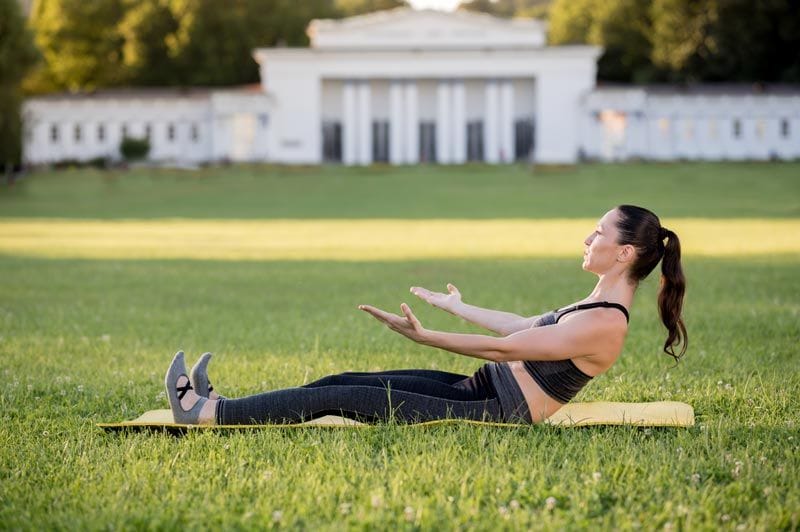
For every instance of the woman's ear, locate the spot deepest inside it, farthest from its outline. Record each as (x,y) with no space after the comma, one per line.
(626,254)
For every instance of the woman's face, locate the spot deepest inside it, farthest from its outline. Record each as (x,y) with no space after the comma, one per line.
(602,249)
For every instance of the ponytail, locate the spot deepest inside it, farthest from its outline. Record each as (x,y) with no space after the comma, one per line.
(670,295)
(642,229)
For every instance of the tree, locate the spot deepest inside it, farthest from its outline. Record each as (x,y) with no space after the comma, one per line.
(17,55)
(621,27)
(348,8)
(146,28)
(79,41)
(730,40)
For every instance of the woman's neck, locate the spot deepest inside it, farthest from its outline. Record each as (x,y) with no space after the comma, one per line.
(613,288)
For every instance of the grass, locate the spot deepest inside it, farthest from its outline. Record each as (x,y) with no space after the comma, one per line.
(86,337)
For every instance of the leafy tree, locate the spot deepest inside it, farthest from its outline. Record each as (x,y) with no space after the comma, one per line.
(146,28)
(621,27)
(734,40)
(347,8)
(17,55)
(79,41)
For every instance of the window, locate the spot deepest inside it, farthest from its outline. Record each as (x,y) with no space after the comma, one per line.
(427,142)
(54,133)
(380,141)
(101,132)
(147,131)
(475,140)
(195,133)
(523,148)
(332,142)
(77,132)
(785,128)
(170,132)
(737,128)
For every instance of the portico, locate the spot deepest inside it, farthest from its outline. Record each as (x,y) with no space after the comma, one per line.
(405,86)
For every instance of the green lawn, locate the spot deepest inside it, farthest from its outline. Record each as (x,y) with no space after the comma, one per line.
(84,340)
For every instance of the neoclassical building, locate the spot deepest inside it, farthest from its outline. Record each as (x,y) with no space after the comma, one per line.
(406,87)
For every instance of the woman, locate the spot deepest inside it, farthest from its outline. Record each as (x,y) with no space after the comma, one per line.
(537,364)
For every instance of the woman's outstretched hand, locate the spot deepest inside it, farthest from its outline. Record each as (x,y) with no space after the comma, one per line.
(408,325)
(447,302)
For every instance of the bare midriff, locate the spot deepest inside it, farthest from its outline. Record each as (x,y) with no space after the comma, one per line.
(540,404)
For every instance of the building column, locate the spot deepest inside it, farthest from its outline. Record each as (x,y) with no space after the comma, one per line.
(459,124)
(444,101)
(396,123)
(349,132)
(411,123)
(491,146)
(364,119)
(506,121)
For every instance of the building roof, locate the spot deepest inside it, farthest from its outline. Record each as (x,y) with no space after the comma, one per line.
(405,28)
(153,93)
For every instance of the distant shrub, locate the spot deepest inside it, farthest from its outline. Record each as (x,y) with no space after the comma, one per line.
(133,149)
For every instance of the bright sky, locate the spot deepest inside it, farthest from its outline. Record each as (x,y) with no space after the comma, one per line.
(447,5)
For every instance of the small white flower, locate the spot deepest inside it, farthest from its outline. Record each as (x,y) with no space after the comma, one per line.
(62,392)
(695,478)
(344,508)
(668,526)
(277,515)
(503,511)
(767,491)
(741,526)
(80,388)
(550,503)
(106,338)
(267,475)
(30,387)
(728,386)
(597,476)
(450,498)
(719,383)
(679,450)
(514,504)
(725,518)
(409,513)
(377,501)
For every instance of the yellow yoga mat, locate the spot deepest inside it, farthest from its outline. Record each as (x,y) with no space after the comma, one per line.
(655,414)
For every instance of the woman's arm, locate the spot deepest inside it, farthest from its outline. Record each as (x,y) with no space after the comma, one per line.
(581,335)
(497,321)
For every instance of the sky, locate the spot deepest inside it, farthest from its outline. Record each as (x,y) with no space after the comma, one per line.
(447,5)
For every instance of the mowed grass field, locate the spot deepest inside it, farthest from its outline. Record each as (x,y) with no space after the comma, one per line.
(104,275)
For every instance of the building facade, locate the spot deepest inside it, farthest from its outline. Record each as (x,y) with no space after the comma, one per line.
(408,87)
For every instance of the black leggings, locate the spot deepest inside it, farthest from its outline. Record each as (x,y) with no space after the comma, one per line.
(406,395)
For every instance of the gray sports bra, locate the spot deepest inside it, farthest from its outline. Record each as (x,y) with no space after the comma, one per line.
(561,379)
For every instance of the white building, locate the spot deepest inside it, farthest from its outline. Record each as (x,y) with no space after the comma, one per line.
(405,86)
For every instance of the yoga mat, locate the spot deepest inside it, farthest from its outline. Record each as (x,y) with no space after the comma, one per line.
(654,414)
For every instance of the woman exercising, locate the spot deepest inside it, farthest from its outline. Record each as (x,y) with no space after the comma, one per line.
(536,364)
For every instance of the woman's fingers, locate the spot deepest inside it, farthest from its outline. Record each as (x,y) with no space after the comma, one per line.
(410,315)
(452,289)
(378,313)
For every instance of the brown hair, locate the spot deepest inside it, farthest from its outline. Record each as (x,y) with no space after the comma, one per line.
(642,229)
